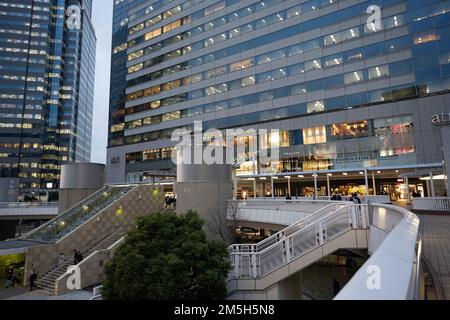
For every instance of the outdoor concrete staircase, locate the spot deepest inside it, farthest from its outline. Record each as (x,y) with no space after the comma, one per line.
(47,281)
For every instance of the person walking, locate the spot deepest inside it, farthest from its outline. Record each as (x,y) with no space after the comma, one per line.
(9,278)
(33,278)
(75,257)
(356,199)
(61,259)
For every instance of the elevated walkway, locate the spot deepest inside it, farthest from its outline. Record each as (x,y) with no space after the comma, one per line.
(28,211)
(270,269)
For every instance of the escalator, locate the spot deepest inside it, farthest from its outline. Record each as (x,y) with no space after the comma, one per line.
(76,216)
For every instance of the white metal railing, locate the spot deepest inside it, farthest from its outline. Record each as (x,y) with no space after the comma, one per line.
(279,212)
(392,272)
(257,260)
(432,204)
(10,205)
(383,199)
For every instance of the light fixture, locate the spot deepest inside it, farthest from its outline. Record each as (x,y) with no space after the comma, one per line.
(378,172)
(301,176)
(330,174)
(345,174)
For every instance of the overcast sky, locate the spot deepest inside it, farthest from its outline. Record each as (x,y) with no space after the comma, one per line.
(102,20)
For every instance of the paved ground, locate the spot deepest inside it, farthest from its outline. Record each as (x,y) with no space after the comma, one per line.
(24,294)
(435,231)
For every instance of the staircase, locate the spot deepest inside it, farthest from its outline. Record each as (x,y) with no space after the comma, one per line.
(47,282)
(255,261)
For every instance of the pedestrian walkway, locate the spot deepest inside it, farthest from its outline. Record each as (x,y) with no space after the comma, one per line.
(12,292)
(44,295)
(435,231)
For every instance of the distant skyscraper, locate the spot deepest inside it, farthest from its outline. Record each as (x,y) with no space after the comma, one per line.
(47,71)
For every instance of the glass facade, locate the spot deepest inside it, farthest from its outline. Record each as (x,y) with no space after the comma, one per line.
(231,64)
(46,91)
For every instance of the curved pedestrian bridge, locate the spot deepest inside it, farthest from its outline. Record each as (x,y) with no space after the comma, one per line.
(270,268)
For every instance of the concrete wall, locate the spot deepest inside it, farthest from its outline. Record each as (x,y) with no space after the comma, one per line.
(445,134)
(91,269)
(70,197)
(9,189)
(209,199)
(141,200)
(78,181)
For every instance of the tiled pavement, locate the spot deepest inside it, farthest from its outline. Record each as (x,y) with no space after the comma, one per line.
(435,231)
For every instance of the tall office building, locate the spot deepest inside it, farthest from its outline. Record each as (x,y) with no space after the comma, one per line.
(353,96)
(47,70)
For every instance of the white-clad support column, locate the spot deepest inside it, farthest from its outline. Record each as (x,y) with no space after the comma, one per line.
(408,195)
(374,184)
(289,186)
(273,187)
(315,185)
(234,185)
(328,186)
(366,178)
(254,187)
(433,192)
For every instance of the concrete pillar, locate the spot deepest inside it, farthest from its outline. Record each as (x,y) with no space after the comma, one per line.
(408,195)
(315,186)
(272,186)
(289,187)
(254,187)
(366,178)
(291,288)
(235,184)
(374,184)
(445,139)
(328,186)
(433,192)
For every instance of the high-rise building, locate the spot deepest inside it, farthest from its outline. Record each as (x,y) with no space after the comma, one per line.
(351,85)
(47,70)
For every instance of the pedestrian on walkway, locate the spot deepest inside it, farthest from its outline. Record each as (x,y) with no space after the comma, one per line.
(33,278)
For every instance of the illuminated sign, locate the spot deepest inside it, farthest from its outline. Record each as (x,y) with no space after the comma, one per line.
(441,119)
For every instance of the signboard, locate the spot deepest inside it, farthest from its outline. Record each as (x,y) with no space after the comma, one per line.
(441,119)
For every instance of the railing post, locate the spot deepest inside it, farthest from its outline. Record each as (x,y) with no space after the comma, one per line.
(236,264)
(254,269)
(287,247)
(353,217)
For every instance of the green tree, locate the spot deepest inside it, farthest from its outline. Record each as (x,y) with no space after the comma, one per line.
(167,257)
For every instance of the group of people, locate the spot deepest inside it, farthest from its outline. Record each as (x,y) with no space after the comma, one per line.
(170,201)
(355,198)
(11,279)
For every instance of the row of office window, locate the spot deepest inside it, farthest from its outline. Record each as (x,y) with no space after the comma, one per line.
(400,92)
(399,68)
(383,127)
(352,33)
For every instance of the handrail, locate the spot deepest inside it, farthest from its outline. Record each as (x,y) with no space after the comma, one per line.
(284,247)
(14,205)
(393,269)
(70,220)
(296,226)
(25,236)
